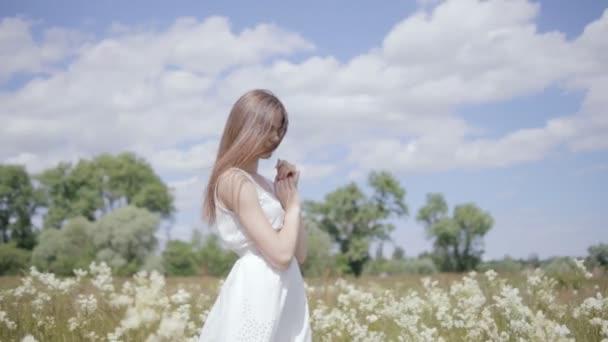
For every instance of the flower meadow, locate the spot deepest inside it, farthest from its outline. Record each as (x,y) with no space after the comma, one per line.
(525,306)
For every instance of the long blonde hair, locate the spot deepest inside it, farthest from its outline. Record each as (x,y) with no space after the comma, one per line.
(248,126)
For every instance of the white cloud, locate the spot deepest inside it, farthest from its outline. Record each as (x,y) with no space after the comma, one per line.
(393,106)
(404,94)
(428,63)
(138,90)
(20,52)
(429,154)
(496,53)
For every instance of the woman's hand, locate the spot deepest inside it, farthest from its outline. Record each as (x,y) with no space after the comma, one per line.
(286,170)
(287,193)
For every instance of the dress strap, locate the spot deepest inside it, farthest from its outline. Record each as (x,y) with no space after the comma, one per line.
(219,205)
(257,184)
(245,173)
(217,202)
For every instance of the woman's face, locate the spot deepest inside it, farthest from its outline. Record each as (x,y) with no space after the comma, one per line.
(274,137)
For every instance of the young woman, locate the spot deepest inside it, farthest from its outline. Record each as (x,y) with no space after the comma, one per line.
(263,296)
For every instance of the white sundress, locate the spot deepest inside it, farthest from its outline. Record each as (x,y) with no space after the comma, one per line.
(256,301)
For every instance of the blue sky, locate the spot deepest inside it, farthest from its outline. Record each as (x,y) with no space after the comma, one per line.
(497,103)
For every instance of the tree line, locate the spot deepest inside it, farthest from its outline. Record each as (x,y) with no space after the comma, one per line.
(109,209)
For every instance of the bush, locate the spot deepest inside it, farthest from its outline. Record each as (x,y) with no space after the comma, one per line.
(153,262)
(62,251)
(420,266)
(179,259)
(400,266)
(566,272)
(125,237)
(13,259)
(215,260)
(506,265)
(598,256)
(318,259)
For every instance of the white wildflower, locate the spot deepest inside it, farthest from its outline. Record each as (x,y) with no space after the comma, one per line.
(88,304)
(580,264)
(490,275)
(4,319)
(29,338)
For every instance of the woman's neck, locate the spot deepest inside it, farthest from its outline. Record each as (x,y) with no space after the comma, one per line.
(252,167)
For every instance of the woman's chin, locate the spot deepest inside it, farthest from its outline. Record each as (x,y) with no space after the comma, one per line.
(266,155)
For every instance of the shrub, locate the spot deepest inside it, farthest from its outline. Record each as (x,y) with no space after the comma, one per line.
(506,265)
(13,259)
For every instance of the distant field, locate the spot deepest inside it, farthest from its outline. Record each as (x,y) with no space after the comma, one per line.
(527,306)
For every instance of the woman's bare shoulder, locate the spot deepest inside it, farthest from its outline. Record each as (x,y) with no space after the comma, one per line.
(230,185)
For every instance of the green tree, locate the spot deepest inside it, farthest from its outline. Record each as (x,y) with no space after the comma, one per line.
(458,239)
(93,188)
(211,256)
(13,260)
(62,251)
(318,255)
(125,238)
(533,261)
(398,253)
(379,252)
(354,220)
(64,196)
(18,203)
(179,258)
(598,255)
(128,180)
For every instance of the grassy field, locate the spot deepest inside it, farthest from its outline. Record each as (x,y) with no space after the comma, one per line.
(526,306)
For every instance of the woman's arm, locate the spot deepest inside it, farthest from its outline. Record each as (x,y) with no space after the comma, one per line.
(302,244)
(240,195)
(287,170)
